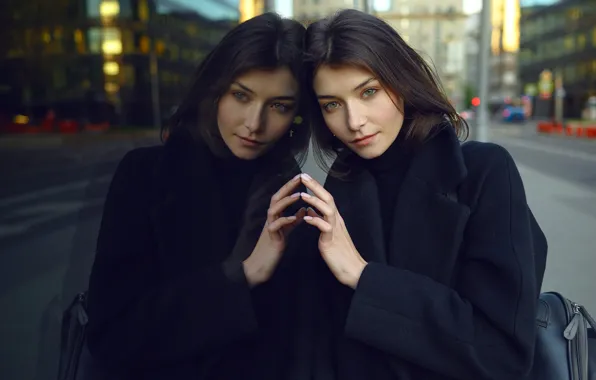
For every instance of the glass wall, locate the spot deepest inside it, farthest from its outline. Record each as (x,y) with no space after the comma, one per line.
(105,49)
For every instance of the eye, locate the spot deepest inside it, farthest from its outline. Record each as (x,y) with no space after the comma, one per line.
(369,92)
(281,107)
(241,96)
(330,106)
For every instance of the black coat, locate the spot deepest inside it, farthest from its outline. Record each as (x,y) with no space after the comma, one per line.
(167,295)
(454,294)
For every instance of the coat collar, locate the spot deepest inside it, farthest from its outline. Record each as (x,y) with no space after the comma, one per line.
(428,223)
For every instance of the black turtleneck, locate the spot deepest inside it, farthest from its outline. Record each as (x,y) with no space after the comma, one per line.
(389,170)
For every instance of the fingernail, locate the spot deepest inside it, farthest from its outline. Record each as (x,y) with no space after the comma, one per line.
(305,195)
(308,217)
(306,177)
(296,177)
(295,195)
(291,217)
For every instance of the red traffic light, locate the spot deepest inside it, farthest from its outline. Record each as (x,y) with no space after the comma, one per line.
(476,101)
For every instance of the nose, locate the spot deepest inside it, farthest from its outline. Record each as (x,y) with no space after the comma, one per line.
(253,118)
(356,117)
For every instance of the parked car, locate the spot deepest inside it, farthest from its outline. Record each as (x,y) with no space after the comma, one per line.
(511,114)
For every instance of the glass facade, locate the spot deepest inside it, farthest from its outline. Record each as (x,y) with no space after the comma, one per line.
(561,38)
(133,54)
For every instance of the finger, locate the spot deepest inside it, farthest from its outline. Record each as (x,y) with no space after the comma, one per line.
(286,189)
(299,218)
(279,223)
(320,223)
(278,207)
(300,214)
(317,189)
(327,210)
(311,212)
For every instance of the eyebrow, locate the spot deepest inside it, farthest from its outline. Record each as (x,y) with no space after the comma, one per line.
(355,88)
(249,90)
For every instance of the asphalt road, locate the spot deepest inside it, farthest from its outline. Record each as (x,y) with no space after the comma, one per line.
(48,230)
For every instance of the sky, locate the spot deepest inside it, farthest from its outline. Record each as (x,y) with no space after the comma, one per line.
(284,7)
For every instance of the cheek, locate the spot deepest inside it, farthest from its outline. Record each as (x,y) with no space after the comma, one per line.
(335,123)
(278,124)
(387,113)
(228,114)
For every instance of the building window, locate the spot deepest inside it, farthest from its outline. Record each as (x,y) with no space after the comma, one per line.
(581,42)
(143,10)
(569,44)
(105,40)
(94,40)
(93,8)
(128,42)
(109,9)
(126,8)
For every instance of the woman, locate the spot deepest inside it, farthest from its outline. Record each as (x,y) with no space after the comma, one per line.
(428,245)
(190,279)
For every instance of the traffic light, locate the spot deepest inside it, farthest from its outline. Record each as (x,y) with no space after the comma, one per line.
(476,101)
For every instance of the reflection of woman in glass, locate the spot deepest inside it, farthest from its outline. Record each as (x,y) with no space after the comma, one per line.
(428,246)
(186,283)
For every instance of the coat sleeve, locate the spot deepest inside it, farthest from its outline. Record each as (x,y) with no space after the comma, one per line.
(484,327)
(136,318)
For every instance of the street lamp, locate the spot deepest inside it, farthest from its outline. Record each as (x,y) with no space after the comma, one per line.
(483,70)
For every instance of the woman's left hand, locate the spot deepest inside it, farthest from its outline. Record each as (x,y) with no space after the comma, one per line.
(335,243)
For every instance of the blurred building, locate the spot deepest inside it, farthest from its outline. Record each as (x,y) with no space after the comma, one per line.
(252,8)
(138,55)
(437,29)
(504,84)
(434,27)
(312,10)
(558,54)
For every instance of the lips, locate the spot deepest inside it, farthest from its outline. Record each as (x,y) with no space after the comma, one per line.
(251,140)
(363,138)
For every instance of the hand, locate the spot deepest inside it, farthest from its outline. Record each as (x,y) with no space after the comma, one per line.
(335,243)
(261,264)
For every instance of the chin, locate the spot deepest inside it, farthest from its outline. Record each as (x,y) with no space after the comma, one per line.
(244,154)
(369,153)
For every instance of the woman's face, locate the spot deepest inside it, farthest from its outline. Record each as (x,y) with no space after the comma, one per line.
(358,110)
(256,111)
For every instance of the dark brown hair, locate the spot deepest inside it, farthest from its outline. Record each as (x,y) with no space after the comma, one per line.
(351,37)
(265,42)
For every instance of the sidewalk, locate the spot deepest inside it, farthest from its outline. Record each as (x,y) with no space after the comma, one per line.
(567,214)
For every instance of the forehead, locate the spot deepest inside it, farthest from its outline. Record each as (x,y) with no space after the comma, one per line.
(339,79)
(270,83)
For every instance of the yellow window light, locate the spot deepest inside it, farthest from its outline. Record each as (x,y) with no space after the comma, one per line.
(109,8)
(111,68)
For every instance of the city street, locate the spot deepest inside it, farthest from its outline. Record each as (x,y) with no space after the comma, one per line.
(49,221)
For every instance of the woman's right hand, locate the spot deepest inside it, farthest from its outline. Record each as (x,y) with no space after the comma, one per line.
(261,264)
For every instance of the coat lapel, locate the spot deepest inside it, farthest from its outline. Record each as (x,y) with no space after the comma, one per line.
(429,222)
(358,203)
